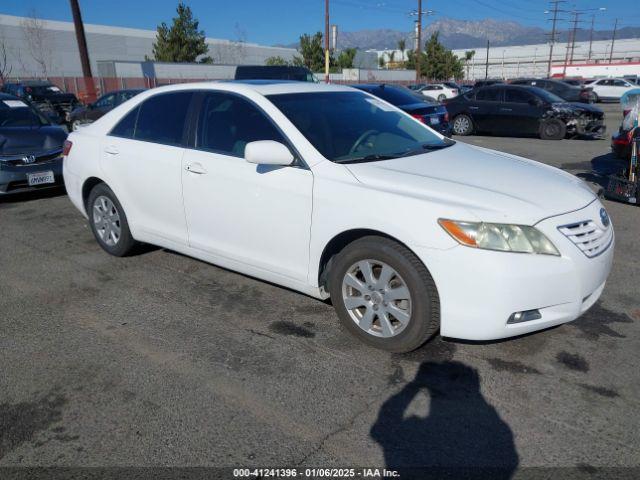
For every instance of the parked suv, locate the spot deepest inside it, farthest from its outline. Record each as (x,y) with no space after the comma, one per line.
(45,96)
(570,93)
(274,72)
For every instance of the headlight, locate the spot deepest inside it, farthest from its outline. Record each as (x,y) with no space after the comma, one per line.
(499,236)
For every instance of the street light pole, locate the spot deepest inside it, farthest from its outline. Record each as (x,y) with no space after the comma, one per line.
(613,40)
(419,50)
(593,19)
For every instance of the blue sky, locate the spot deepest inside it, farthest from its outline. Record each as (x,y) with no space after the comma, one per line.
(282,21)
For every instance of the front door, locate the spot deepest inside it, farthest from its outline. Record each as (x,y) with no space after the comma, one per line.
(257,215)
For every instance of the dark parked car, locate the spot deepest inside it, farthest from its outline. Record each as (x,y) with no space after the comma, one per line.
(486,83)
(30,148)
(570,93)
(46,97)
(522,111)
(276,72)
(415,104)
(87,114)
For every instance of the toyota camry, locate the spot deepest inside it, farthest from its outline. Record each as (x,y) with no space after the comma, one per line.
(336,193)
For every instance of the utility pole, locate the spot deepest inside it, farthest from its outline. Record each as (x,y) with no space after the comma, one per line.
(82,48)
(593,19)
(576,17)
(419,50)
(486,67)
(552,38)
(326,41)
(613,40)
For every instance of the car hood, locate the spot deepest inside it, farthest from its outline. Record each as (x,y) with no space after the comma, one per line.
(492,186)
(578,107)
(30,140)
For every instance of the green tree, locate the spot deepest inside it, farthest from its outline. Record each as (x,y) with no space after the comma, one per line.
(468,55)
(276,61)
(346,58)
(381,61)
(437,62)
(312,52)
(183,41)
(402,45)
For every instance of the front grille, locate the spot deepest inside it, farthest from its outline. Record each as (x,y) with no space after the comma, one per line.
(18,161)
(590,238)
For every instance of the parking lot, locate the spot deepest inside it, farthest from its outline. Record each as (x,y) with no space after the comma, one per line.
(159,359)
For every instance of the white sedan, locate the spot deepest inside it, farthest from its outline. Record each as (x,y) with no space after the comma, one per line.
(610,88)
(439,91)
(335,193)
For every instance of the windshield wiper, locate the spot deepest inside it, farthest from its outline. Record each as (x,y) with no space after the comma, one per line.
(367,158)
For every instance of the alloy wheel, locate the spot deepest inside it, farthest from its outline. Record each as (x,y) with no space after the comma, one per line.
(106,220)
(461,125)
(377,298)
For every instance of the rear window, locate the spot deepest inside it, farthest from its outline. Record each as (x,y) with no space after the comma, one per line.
(489,94)
(162,118)
(398,95)
(15,113)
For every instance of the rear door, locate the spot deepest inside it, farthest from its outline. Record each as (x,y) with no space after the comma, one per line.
(518,115)
(142,160)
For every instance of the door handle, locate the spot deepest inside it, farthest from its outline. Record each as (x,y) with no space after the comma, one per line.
(111,150)
(506,109)
(474,108)
(196,168)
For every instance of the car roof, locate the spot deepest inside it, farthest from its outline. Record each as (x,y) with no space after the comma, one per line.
(262,87)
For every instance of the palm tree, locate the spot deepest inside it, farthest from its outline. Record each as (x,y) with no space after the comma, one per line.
(392,56)
(381,61)
(401,46)
(468,55)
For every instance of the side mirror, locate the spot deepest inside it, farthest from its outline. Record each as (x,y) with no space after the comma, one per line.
(267,152)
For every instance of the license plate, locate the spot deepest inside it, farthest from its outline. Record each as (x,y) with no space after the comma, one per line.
(434,120)
(40,178)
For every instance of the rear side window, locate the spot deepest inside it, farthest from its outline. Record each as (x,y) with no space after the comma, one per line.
(162,118)
(489,95)
(227,123)
(127,126)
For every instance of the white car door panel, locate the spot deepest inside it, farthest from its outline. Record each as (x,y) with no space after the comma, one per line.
(143,155)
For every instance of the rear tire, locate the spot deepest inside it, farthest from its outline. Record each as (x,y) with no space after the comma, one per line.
(553,129)
(108,222)
(595,97)
(394,305)
(442,97)
(462,125)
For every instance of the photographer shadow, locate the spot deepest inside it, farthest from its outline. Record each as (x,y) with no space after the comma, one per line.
(461,437)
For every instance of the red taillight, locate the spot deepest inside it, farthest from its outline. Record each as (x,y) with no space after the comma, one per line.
(66,148)
(446,116)
(418,117)
(626,112)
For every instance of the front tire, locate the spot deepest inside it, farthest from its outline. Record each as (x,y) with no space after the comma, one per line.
(553,129)
(442,97)
(462,125)
(108,222)
(384,295)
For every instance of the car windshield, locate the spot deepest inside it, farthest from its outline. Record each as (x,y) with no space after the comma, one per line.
(354,127)
(15,113)
(547,96)
(398,95)
(43,89)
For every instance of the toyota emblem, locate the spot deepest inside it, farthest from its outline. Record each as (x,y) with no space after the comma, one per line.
(604,217)
(29,159)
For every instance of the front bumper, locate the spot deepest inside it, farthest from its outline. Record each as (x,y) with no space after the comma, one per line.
(590,127)
(479,289)
(13,178)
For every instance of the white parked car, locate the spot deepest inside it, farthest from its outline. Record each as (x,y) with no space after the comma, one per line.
(335,193)
(610,88)
(439,91)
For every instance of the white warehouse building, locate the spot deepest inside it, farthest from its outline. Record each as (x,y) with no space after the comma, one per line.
(56,50)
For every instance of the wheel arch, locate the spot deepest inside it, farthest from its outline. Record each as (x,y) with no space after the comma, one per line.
(87,186)
(340,241)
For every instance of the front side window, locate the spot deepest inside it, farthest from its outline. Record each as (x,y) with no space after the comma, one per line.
(228,122)
(106,101)
(515,95)
(162,118)
(353,127)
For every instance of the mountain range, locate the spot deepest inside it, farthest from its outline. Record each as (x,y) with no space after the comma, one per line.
(460,34)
